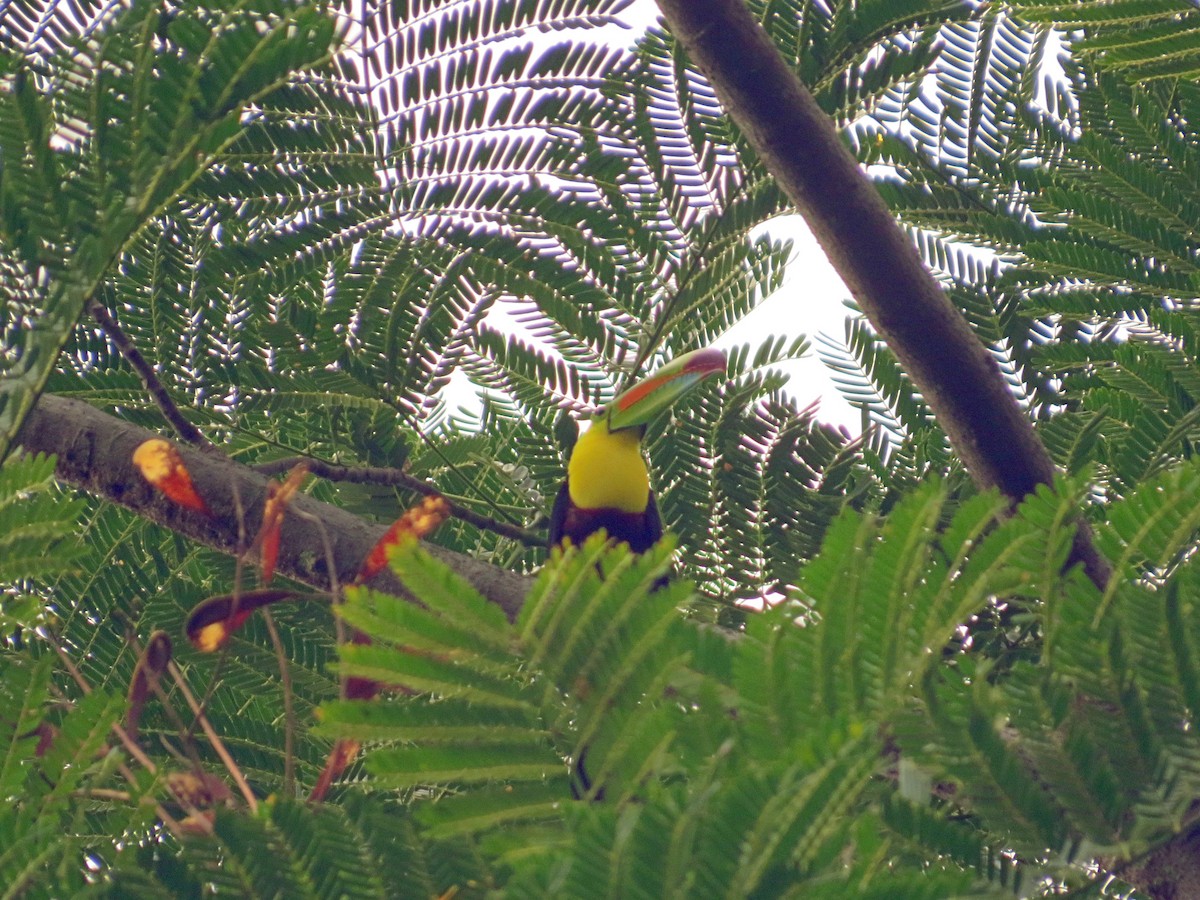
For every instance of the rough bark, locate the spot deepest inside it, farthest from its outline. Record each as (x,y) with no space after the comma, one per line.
(802,150)
(95,453)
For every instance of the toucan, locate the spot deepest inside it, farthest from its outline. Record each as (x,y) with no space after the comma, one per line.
(608,485)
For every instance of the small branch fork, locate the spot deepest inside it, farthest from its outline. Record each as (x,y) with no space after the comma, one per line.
(154,386)
(132,748)
(192,435)
(398,478)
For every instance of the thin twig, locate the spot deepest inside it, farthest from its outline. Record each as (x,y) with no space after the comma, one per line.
(130,745)
(215,739)
(103,794)
(339,625)
(341,636)
(192,757)
(239,562)
(289,711)
(198,708)
(124,770)
(394,477)
(126,741)
(159,810)
(157,390)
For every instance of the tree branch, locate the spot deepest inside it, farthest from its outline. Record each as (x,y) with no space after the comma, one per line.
(801,148)
(384,475)
(95,453)
(154,386)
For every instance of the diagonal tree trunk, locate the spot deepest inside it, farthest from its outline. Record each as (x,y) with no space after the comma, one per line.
(801,148)
(962,384)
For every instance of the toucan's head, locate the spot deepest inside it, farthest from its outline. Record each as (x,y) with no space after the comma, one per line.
(637,407)
(606,470)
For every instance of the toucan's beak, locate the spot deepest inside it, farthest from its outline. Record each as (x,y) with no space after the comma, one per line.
(637,406)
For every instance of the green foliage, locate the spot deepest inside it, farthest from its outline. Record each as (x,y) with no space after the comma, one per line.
(488,720)
(116,133)
(52,758)
(718,765)
(1088,751)
(1140,39)
(364,849)
(34,522)
(310,223)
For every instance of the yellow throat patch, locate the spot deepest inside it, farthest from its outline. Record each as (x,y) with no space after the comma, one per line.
(607,471)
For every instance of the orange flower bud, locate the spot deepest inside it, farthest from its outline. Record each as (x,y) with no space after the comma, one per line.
(162,466)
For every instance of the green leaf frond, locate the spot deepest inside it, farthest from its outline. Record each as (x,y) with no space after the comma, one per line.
(469,108)
(752,758)
(902,442)
(1123,190)
(749,481)
(1088,748)
(127,129)
(856,655)
(1132,402)
(35,521)
(497,713)
(1141,40)
(369,849)
(867,374)
(52,757)
(986,73)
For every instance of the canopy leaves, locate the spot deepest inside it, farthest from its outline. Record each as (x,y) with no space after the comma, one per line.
(302,227)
